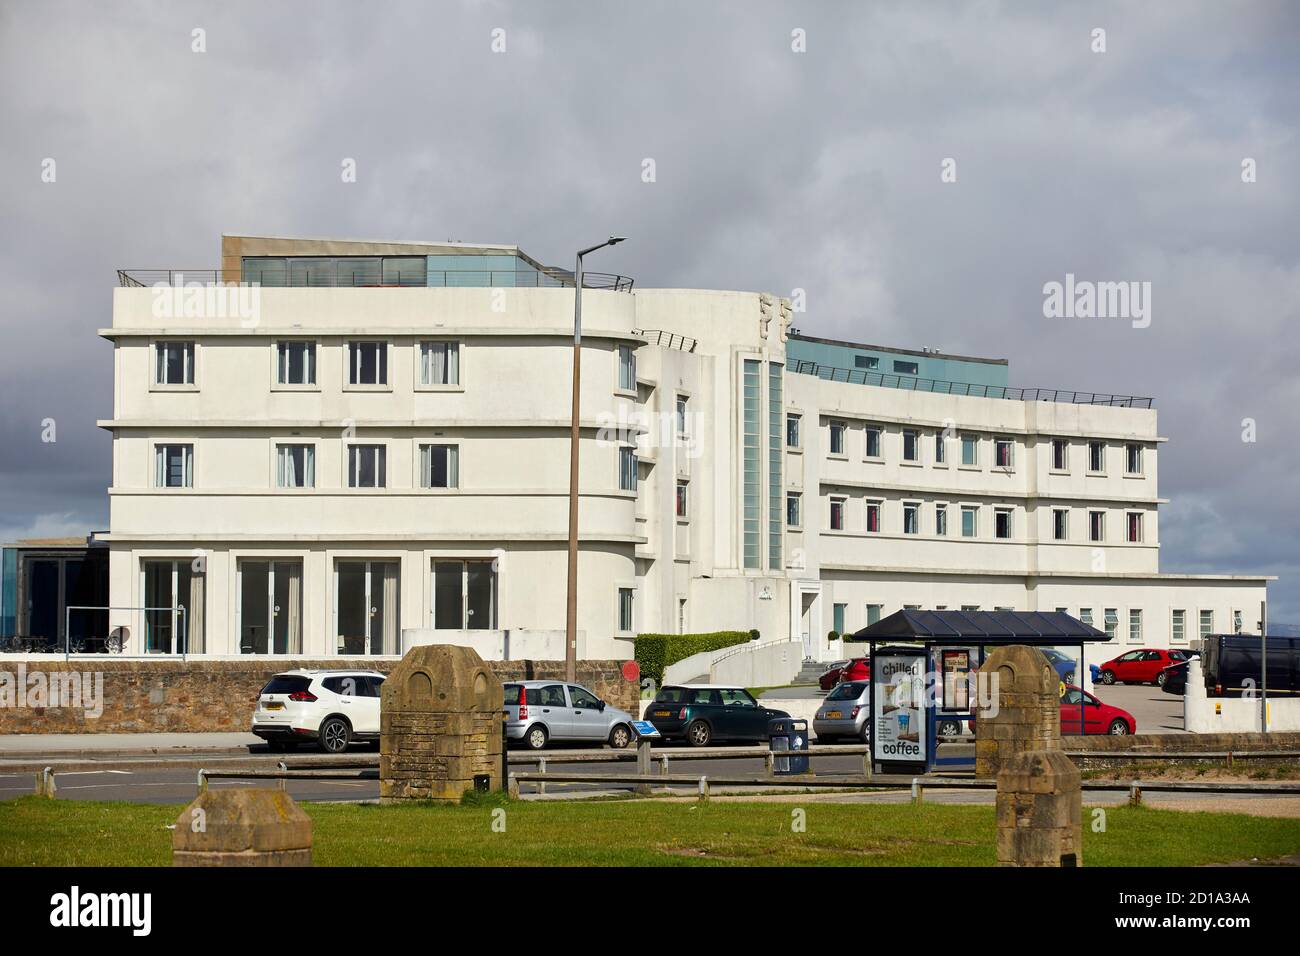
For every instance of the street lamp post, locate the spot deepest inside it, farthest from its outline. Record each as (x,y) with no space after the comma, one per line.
(571,601)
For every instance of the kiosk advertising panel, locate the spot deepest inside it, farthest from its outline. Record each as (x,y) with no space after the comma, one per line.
(898,715)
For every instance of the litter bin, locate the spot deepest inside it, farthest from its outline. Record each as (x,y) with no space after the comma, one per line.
(786,735)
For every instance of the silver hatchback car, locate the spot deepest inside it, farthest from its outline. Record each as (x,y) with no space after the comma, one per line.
(540,711)
(844,712)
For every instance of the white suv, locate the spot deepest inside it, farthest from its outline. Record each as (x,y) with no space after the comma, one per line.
(331,707)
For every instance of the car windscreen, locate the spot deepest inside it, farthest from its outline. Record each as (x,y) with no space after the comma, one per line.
(286,684)
(671,695)
(850,691)
(534,695)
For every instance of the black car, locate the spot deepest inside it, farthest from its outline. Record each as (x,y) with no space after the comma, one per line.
(702,714)
(1232,664)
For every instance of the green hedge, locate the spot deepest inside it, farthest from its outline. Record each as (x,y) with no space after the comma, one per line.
(654,652)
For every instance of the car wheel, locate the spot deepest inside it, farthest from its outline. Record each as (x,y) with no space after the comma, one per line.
(335,735)
(536,737)
(949,728)
(698,733)
(1108,677)
(865,733)
(1118,728)
(1069,677)
(1160,679)
(620,737)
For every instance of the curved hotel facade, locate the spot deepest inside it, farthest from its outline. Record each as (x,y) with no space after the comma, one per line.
(370,448)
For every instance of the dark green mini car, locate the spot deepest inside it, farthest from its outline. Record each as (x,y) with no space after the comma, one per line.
(702,714)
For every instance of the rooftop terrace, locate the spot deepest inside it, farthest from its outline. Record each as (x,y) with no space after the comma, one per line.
(914,383)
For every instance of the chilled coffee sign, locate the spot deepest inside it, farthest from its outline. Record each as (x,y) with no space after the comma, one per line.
(899,731)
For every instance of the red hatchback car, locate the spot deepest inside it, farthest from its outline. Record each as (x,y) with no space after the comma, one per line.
(1144,666)
(1098,718)
(857,669)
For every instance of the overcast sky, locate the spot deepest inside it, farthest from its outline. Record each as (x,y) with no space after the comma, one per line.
(774,170)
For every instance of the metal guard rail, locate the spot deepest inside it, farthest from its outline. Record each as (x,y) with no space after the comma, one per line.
(911,382)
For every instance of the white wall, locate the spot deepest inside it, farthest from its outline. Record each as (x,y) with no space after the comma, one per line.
(1225,715)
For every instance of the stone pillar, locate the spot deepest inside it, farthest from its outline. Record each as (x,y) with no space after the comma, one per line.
(1040,811)
(1028,716)
(242,828)
(441,713)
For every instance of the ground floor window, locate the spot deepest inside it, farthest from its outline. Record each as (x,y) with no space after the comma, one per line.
(173,597)
(366,607)
(270,607)
(464,595)
(873,613)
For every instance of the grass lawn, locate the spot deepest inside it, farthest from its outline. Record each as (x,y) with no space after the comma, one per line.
(36,831)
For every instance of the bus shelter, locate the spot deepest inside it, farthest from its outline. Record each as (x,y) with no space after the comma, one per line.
(924,685)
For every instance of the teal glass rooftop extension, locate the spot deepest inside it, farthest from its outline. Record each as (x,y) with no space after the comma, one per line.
(885,367)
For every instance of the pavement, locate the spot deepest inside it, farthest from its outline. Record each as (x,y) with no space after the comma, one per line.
(16,745)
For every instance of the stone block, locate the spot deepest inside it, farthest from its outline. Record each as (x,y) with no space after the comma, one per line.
(242,828)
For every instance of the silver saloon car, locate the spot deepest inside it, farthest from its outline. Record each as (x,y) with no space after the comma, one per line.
(844,713)
(541,711)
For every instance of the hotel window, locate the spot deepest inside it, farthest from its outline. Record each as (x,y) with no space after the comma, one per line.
(837,514)
(626,368)
(1096,456)
(1002,452)
(1096,525)
(940,448)
(173,466)
(1085,615)
(1062,610)
(1060,454)
(837,617)
(967,608)
(873,441)
(792,423)
(296,363)
(1135,527)
(752,464)
(911,445)
(367,363)
(464,595)
(905,368)
(941,520)
(1112,622)
(911,517)
(837,438)
(1207,623)
(970,450)
(367,466)
(174,363)
(365,606)
(627,469)
(873,613)
(775,464)
(683,494)
(793,505)
(1132,459)
(873,516)
(1135,626)
(1236,622)
(1060,524)
(625,609)
(866,361)
(270,607)
(1178,626)
(681,415)
(295,466)
(439,363)
(969,521)
(439,466)
(174,594)
(1002,522)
